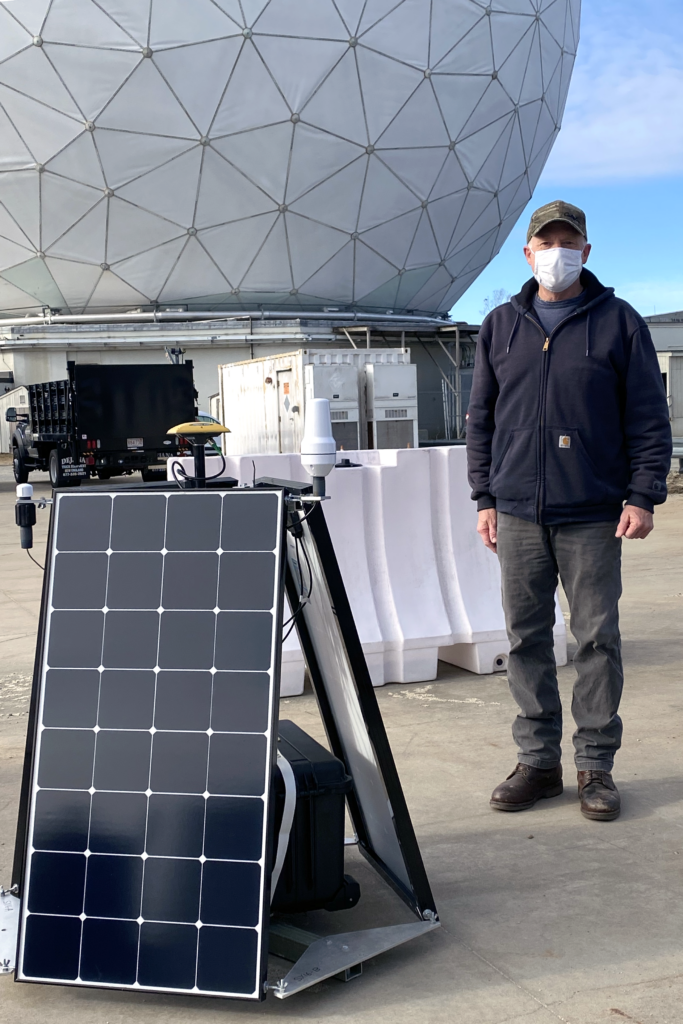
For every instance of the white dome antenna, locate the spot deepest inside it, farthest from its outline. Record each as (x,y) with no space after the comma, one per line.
(318,447)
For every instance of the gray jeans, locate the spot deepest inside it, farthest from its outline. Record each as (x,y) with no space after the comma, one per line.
(587,559)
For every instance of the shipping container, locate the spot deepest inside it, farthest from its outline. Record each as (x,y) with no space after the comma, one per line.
(263,401)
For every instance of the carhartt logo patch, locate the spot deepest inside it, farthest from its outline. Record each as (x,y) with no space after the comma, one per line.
(565,441)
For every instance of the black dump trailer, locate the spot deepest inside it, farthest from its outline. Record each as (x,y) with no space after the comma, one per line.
(104,420)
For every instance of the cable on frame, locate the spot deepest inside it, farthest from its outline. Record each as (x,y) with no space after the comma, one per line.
(303,596)
(184,476)
(41,567)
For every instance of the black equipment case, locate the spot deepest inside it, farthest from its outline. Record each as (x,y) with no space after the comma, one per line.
(312,875)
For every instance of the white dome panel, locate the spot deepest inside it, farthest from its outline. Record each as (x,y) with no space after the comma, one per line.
(231,154)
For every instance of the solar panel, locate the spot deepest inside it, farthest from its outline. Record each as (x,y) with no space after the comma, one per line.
(146,841)
(350,712)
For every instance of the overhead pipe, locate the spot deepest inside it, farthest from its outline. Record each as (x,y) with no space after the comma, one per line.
(167,317)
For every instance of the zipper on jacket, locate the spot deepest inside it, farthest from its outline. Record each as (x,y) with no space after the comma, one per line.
(549,338)
(540,446)
(541,419)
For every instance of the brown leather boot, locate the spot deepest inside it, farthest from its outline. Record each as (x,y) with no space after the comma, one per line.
(525,786)
(600,800)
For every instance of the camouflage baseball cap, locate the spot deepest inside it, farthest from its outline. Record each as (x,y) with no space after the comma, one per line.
(557,210)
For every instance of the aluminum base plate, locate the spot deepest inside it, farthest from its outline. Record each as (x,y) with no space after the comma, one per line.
(329,956)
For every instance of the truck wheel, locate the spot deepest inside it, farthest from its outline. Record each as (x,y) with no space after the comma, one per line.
(103,474)
(57,478)
(54,468)
(20,470)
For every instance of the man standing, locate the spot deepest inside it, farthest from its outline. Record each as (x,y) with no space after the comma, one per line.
(568,447)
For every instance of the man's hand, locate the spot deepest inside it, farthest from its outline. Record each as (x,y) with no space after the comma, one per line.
(635,523)
(487,528)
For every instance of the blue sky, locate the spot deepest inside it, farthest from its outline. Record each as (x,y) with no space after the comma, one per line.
(619,156)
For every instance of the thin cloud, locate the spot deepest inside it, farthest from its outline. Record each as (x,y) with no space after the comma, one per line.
(623,117)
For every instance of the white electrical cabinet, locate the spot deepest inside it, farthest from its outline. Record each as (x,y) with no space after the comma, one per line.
(338,382)
(263,401)
(391,405)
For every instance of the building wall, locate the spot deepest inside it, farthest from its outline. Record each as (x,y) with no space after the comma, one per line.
(432,362)
(671,365)
(676,392)
(666,335)
(663,360)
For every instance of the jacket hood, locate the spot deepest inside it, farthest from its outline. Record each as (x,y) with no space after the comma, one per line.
(595,293)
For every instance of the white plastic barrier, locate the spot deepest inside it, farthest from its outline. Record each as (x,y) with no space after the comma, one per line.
(472,591)
(347,520)
(403,562)
(293,668)
(421,584)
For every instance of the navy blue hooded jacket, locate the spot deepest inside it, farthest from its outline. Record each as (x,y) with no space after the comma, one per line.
(566,428)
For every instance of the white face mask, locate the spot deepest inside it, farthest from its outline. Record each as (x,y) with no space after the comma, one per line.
(557,269)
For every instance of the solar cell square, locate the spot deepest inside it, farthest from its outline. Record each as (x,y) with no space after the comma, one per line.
(80,580)
(75,639)
(230,893)
(187,639)
(249,522)
(126,699)
(130,639)
(66,758)
(61,820)
(246,580)
(84,522)
(226,960)
(122,761)
(234,828)
(113,886)
(134,579)
(52,947)
(183,701)
(56,883)
(109,954)
(70,698)
(243,640)
(171,890)
(168,955)
(175,825)
(138,522)
(191,580)
(237,765)
(193,522)
(118,822)
(240,702)
(179,762)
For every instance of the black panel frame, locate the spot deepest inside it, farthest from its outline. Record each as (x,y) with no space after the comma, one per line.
(21,842)
(30,768)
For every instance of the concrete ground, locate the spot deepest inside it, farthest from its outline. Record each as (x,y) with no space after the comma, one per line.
(546,916)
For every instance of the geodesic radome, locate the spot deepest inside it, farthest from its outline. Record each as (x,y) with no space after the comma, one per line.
(369,154)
